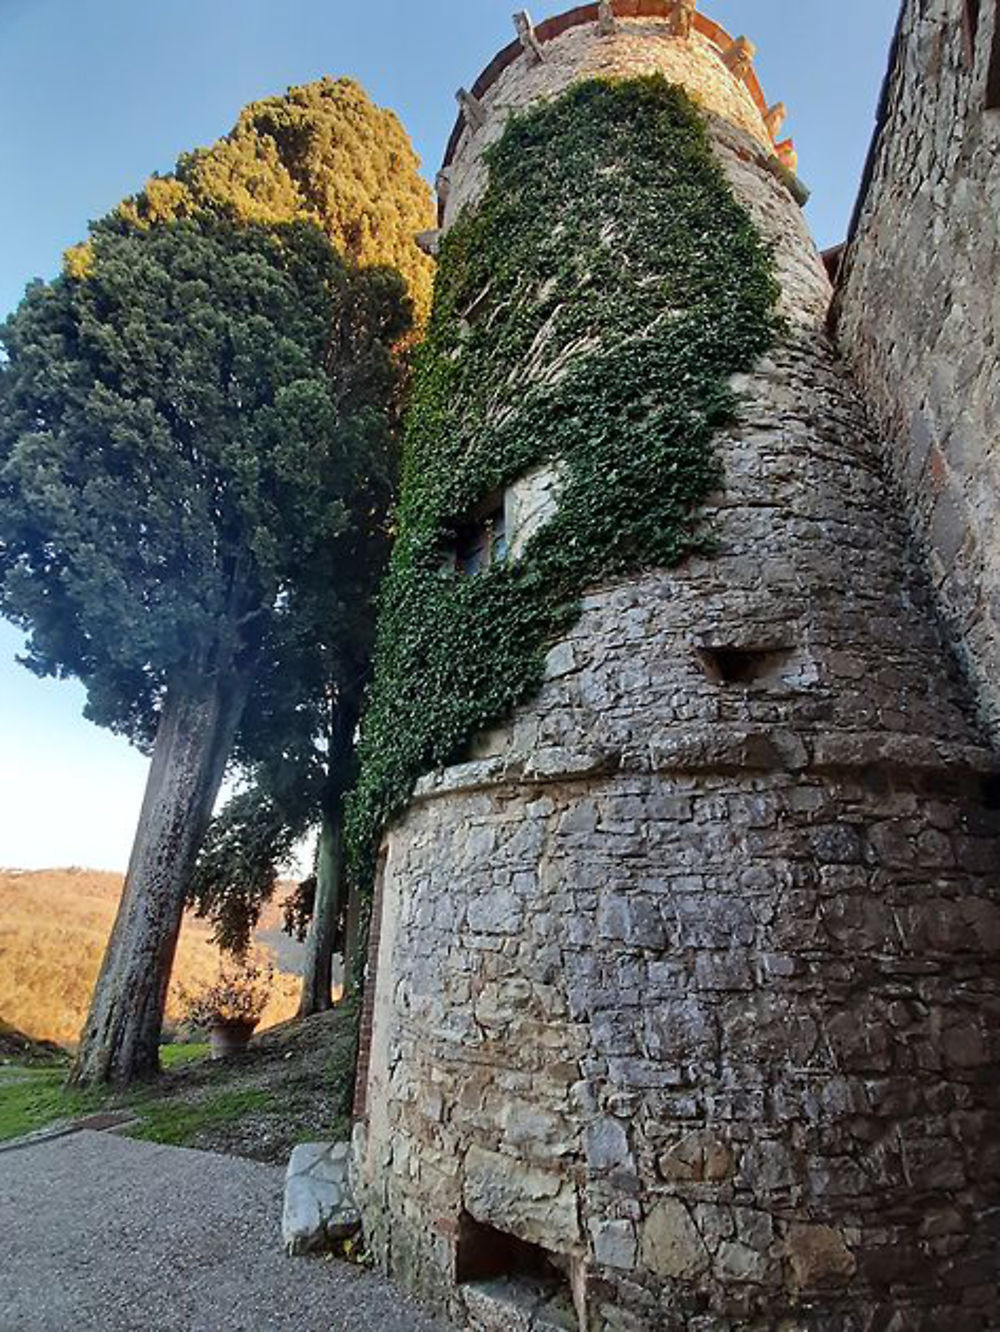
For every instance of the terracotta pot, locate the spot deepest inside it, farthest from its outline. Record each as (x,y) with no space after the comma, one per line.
(228,1038)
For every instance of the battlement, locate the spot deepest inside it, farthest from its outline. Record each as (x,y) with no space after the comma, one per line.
(612,38)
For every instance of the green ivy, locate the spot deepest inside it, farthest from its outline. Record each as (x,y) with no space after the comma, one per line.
(591,310)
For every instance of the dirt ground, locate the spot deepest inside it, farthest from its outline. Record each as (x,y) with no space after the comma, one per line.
(294,1083)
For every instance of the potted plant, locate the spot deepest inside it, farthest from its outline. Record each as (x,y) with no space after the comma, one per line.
(232,1005)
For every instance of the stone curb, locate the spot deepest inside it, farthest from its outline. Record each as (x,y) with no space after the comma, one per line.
(100,1123)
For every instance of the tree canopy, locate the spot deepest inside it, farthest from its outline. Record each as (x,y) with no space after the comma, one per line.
(171,439)
(196,456)
(322,152)
(191,436)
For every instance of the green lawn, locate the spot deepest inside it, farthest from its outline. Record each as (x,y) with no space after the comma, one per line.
(172,1055)
(176,1122)
(32,1098)
(37,1098)
(293,1085)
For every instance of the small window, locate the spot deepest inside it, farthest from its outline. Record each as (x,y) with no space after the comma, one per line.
(739,665)
(481,541)
(991,792)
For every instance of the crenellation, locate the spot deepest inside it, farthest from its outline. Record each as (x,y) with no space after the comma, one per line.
(442,184)
(472,109)
(738,57)
(775,118)
(682,16)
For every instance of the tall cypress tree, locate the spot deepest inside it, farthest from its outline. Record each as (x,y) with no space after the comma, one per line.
(322,152)
(185,434)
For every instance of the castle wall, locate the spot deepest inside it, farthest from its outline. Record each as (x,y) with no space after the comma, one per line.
(639,46)
(692,975)
(919,316)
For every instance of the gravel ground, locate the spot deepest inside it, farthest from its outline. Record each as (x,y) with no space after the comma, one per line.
(104,1234)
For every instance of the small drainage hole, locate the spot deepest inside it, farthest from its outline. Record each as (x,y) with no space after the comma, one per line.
(733,665)
(513,1275)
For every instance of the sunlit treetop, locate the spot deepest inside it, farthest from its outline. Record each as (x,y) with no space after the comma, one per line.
(324,152)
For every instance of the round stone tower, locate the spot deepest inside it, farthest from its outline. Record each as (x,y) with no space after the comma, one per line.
(683,995)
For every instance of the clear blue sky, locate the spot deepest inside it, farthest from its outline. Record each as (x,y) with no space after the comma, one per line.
(96,94)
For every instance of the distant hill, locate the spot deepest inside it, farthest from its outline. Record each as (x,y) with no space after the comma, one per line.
(53,928)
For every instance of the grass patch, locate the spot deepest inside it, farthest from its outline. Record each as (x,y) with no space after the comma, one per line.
(176,1122)
(32,1098)
(38,1098)
(171,1056)
(294,1084)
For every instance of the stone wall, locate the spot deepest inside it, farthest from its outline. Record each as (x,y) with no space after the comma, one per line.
(919,315)
(689,976)
(638,46)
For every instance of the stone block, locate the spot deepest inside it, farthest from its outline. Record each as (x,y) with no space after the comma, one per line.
(319,1204)
(536,1205)
(671,1245)
(614,1243)
(736,1262)
(495,912)
(680,1030)
(606,1144)
(820,1257)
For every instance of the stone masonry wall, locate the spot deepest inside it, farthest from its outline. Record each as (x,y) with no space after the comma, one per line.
(919,316)
(689,976)
(639,46)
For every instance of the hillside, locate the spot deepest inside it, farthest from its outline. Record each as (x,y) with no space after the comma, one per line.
(53,927)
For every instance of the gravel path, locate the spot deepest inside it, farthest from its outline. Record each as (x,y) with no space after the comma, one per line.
(98,1232)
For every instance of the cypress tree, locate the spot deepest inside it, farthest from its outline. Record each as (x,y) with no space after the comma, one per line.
(186,434)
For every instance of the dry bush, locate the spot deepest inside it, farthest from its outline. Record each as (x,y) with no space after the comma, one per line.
(53,928)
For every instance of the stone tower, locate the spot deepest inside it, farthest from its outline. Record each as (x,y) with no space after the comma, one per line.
(683,988)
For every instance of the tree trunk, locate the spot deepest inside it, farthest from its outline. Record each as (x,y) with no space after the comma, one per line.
(352,939)
(120,1040)
(318,970)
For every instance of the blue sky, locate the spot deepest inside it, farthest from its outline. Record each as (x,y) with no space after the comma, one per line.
(96,94)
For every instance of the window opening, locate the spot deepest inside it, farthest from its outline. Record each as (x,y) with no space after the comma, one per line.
(991,792)
(512,1271)
(482,541)
(736,665)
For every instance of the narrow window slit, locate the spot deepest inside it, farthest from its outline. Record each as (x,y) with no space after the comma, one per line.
(990,791)
(970,27)
(480,540)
